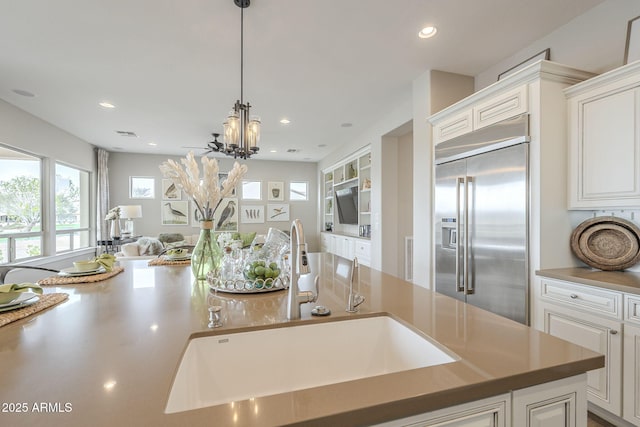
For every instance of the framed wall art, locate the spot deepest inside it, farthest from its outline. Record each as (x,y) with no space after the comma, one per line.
(277,212)
(275,191)
(142,187)
(632,47)
(221,178)
(175,212)
(170,191)
(225,218)
(251,190)
(252,214)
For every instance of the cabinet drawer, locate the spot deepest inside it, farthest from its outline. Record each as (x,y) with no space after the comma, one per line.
(363,252)
(632,309)
(594,300)
(502,107)
(455,126)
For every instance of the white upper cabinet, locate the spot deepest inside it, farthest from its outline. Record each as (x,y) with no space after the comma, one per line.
(604,140)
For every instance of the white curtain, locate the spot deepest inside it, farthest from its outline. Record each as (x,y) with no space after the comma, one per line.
(103,193)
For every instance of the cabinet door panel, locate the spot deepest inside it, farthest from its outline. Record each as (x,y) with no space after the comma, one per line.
(597,334)
(609,149)
(631,409)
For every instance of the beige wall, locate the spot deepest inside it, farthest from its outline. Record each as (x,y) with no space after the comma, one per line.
(124,165)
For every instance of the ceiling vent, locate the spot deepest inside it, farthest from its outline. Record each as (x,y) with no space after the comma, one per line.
(126,133)
(293,150)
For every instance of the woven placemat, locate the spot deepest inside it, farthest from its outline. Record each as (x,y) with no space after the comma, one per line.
(165,261)
(72,280)
(46,301)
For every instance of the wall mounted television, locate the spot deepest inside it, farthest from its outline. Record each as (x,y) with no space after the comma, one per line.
(347,202)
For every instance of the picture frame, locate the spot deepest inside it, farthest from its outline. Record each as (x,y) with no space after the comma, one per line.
(222,176)
(632,45)
(170,191)
(275,191)
(252,214)
(544,54)
(277,212)
(251,190)
(142,187)
(195,216)
(225,218)
(175,212)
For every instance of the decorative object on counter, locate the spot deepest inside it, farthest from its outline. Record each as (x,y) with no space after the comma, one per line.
(207,195)
(114,217)
(607,243)
(632,46)
(43,302)
(71,279)
(129,213)
(545,55)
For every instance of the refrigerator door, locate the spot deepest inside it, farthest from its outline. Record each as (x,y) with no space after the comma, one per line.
(449,209)
(498,232)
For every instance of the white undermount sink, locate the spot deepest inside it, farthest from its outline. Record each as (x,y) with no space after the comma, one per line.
(236,366)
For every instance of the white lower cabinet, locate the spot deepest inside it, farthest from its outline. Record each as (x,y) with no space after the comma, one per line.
(346,247)
(560,403)
(602,335)
(631,382)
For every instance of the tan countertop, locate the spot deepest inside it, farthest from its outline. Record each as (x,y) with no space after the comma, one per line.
(623,281)
(107,356)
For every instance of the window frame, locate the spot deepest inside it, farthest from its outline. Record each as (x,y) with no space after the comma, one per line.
(72,231)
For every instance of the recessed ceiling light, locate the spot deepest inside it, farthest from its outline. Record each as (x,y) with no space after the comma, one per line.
(24,93)
(427,32)
(152,144)
(285,121)
(105,104)
(273,150)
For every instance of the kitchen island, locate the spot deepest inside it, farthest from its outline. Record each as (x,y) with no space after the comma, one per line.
(108,355)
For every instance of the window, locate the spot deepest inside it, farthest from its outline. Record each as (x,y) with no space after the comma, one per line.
(298,191)
(20,205)
(71,208)
(251,190)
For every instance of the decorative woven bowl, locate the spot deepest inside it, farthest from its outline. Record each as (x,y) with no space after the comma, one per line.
(607,243)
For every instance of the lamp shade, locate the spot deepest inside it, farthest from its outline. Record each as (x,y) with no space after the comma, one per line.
(130,211)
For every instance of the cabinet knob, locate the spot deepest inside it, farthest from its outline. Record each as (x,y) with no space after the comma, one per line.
(613,332)
(573,296)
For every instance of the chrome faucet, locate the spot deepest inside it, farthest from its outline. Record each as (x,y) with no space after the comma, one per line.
(299,266)
(354,299)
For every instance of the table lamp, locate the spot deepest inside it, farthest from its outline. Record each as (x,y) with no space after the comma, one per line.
(129,213)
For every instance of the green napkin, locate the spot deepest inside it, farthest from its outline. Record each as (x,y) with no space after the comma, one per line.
(21,287)
(107,261)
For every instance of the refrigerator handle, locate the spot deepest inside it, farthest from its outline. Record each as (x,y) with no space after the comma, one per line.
(460,181)
(468,284)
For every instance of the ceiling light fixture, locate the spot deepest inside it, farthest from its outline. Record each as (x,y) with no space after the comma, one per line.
(427,32)
(241,130)
(105,104)
(285,121)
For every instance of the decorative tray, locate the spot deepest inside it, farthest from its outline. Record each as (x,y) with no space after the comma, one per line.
(244,286)
(607,243)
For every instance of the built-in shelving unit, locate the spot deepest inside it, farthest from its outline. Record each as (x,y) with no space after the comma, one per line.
(354,171)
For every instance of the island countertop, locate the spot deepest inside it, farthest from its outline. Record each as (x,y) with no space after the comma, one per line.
(107,356)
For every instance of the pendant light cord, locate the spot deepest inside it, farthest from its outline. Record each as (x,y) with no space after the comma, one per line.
(242,55)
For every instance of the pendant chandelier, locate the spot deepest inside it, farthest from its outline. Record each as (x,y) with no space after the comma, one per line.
(241,130)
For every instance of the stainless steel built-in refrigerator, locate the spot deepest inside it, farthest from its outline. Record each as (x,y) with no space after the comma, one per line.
(481,214)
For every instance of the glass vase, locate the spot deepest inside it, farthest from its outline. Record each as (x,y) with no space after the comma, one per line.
(207,255)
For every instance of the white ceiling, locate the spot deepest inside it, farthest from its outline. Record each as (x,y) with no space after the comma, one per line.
(172,67)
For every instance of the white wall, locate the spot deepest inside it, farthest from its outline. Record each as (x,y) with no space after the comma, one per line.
(593,41)
(124,165)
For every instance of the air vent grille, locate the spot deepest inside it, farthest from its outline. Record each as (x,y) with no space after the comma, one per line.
(293,150)
(126,133)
